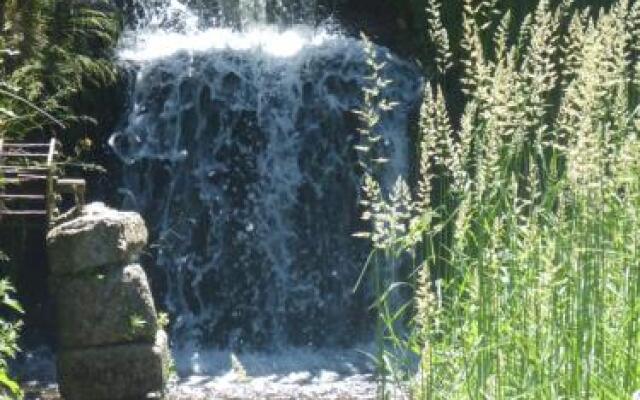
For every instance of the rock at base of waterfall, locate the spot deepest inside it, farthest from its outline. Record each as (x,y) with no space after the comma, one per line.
(95,236)
(100,309)
(122,372)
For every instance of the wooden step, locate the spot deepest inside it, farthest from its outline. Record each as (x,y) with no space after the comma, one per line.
(26,155)
(22,179)
(29,177)
(24,173)
(25,145)
(28,180)
(23,213)
(16,197)
(17,168)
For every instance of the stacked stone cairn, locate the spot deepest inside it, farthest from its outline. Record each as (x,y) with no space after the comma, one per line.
(109,343)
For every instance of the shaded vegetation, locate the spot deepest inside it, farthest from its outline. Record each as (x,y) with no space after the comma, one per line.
(51,54)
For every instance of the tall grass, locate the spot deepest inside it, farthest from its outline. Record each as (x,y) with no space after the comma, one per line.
(524,227)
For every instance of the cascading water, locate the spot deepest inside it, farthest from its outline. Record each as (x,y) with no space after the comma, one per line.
(239,152)
(187,15)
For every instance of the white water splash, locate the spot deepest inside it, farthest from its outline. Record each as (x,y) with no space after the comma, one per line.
(174,15)
(270,40)
(292,373)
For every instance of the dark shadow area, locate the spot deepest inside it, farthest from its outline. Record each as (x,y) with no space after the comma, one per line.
(24,243)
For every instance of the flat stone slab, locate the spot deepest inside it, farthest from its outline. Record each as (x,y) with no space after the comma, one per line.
(95,236)
(101,309)
(122,372)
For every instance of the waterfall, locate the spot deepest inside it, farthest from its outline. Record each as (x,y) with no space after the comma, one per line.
(177,15)
(239,150)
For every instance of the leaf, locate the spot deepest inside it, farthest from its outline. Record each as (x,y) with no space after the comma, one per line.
(10,52)
(390,289)
(364,271)
(7,112)
(13,304)
(361,235)
(9,383)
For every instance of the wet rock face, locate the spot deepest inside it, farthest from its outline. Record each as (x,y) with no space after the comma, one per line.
(110,345)
(387,22)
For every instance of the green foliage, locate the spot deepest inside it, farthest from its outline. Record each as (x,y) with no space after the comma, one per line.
(523,228)
(53,50)
(163,320)
(8,339)
(50,51)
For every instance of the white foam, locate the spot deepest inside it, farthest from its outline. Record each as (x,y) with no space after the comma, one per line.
(160,44)
(293,373)
(288,362)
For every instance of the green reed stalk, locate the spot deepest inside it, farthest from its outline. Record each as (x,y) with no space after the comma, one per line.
(533,227)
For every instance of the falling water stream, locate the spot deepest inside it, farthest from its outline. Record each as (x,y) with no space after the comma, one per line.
(239,151)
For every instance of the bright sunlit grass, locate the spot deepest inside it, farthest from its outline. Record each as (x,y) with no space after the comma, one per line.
(524,230)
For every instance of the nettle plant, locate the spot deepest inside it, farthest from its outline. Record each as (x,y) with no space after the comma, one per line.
(524,225)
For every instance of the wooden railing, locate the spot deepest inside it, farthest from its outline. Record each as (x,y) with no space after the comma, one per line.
(30,185)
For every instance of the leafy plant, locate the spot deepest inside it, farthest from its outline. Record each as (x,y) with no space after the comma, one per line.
(53,50)
(8,339)
(523,227)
